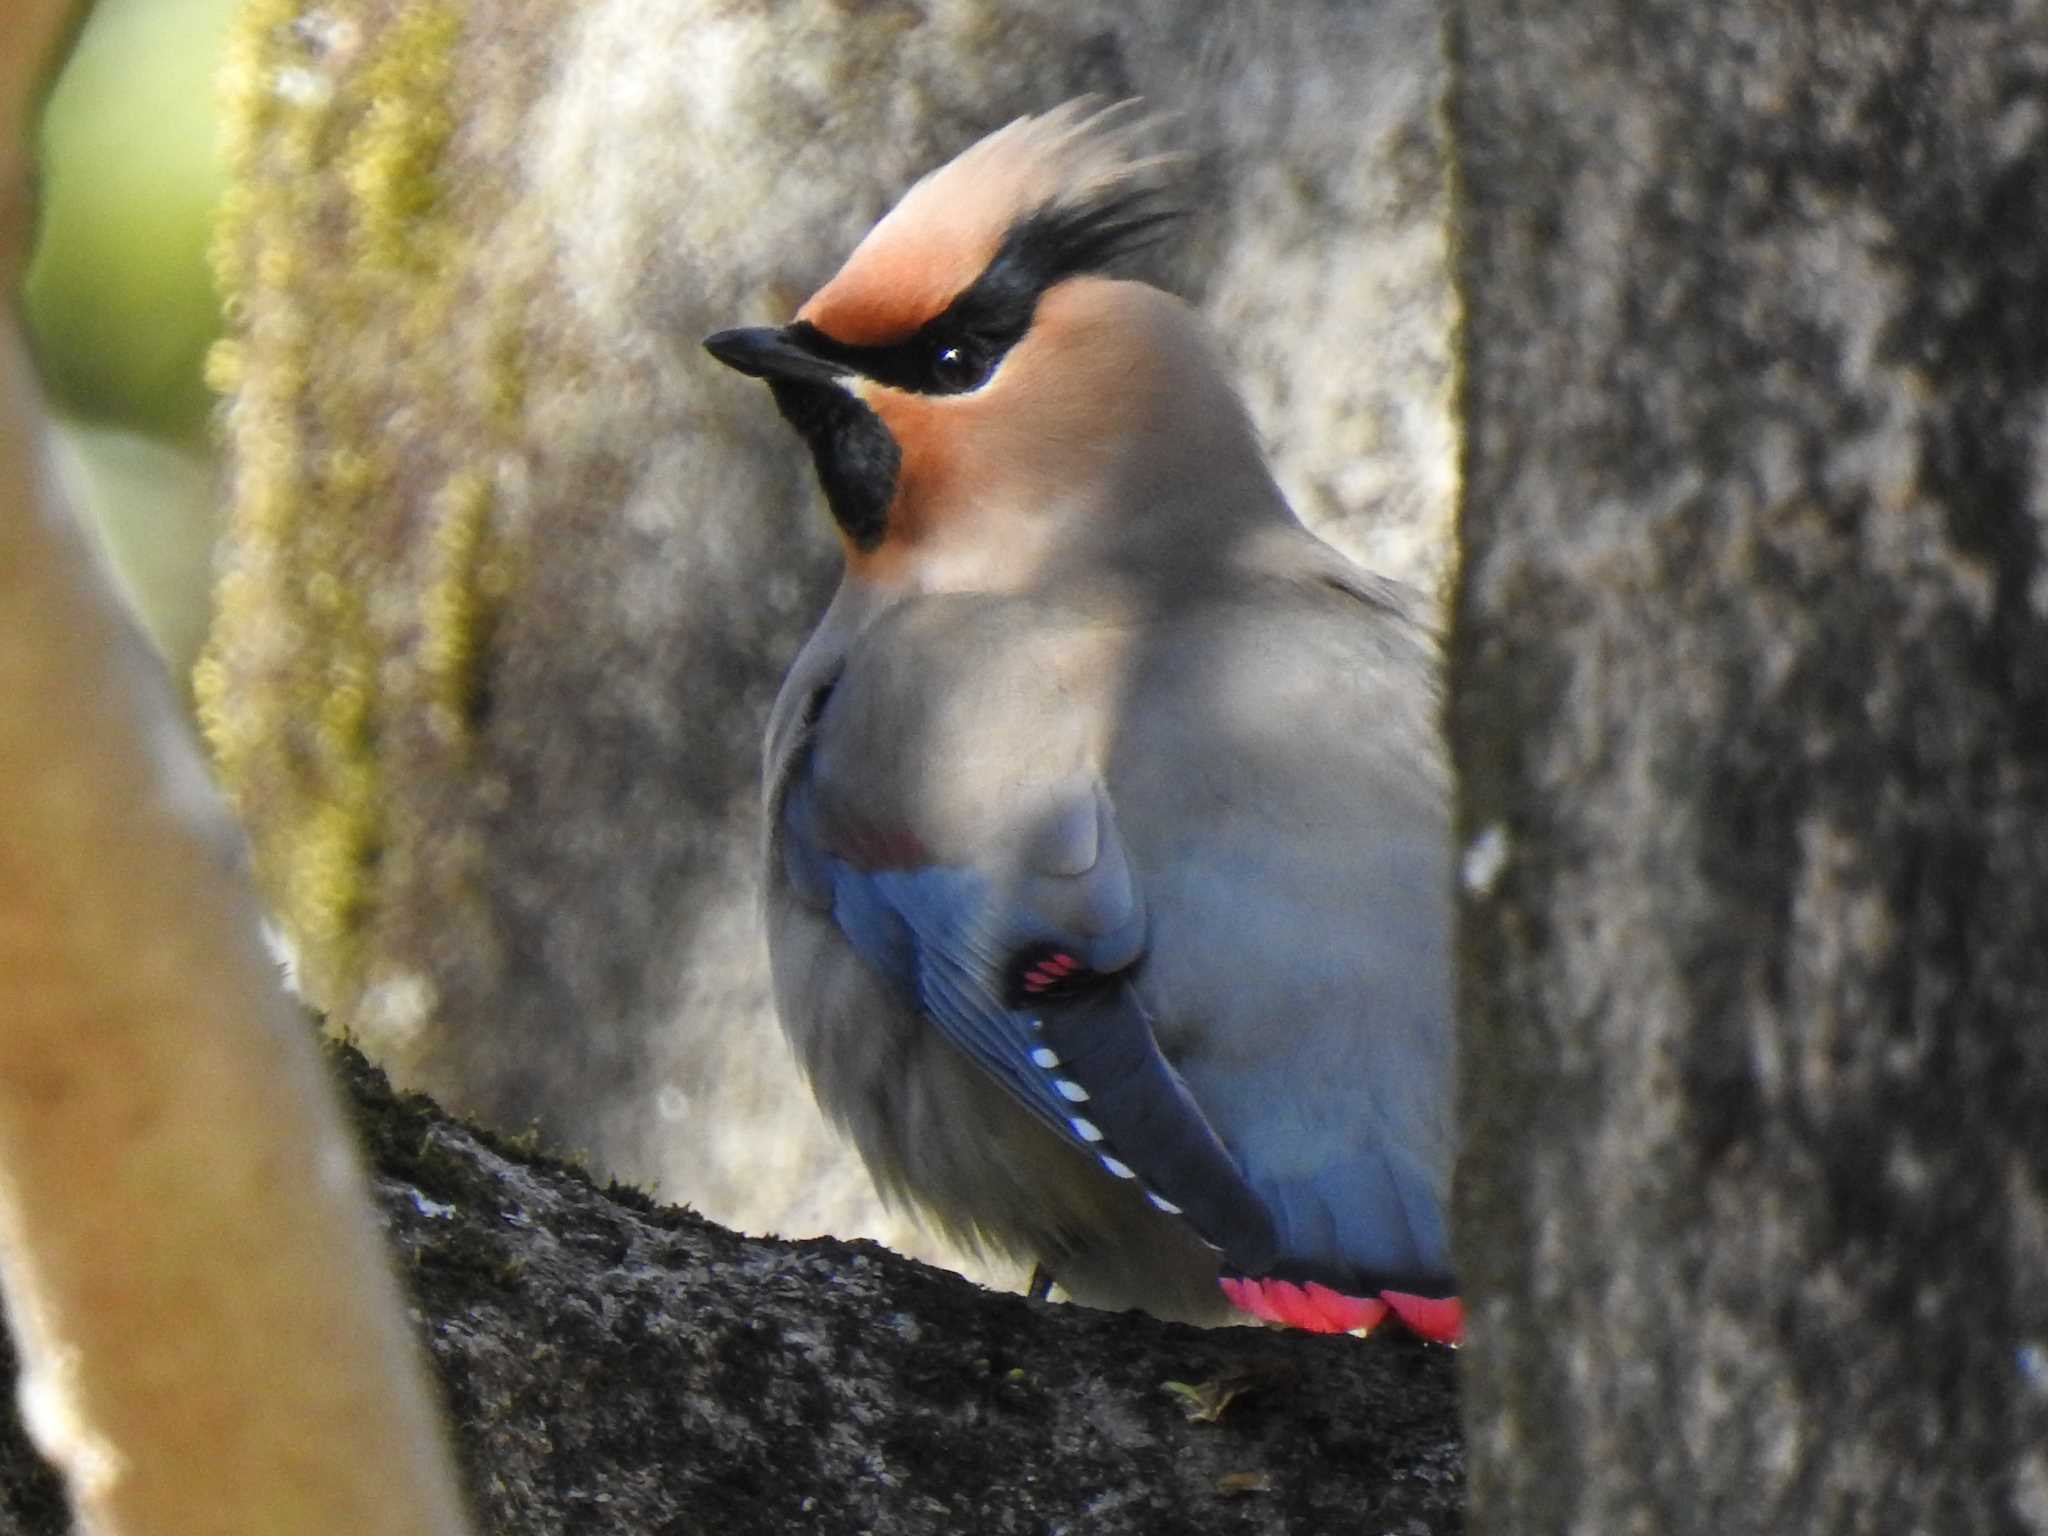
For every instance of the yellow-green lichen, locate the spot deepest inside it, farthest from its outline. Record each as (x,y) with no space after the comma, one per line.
(378,377)
(454,604)
(504,376)
(223,367)
(392,158)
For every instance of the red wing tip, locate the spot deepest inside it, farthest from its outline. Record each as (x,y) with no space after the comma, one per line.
(1318,1309)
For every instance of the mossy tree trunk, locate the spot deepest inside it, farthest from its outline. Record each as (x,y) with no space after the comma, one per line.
(1751,708)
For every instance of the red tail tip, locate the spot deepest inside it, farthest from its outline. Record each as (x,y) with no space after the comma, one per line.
(1318,1309)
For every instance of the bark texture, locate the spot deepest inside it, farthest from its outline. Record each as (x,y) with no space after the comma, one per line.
(1750,703)
(611,1366)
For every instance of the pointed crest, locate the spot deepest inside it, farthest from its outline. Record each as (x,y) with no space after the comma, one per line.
(1056,195)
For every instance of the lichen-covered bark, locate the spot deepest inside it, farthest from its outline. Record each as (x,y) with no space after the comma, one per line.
(515,568)
(1750,704)
(612,1366)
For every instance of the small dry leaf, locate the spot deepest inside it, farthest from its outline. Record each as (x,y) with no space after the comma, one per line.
(1204,1402)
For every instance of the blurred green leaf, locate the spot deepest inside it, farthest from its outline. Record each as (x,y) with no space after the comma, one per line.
(119,297)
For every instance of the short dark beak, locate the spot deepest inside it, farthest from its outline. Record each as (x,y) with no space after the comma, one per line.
(765,353)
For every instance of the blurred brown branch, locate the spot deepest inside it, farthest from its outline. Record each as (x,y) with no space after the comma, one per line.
(210,1338)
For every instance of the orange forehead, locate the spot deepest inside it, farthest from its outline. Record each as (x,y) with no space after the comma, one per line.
(897,279)
(948,227)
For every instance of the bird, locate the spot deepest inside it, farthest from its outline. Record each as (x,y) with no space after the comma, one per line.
(1107,856)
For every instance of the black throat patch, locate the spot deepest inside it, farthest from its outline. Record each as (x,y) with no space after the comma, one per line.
(857,458)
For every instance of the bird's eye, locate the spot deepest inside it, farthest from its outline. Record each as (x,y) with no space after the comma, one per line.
(960,366)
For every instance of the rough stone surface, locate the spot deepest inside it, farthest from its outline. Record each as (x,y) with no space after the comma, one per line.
(1750,703)
(515,568)
(615,1366)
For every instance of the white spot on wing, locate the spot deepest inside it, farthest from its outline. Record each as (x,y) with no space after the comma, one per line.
(1070,1090)
(1045,1058)
(1086,1129)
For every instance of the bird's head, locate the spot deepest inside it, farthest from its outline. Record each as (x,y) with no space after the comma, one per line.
(976,389)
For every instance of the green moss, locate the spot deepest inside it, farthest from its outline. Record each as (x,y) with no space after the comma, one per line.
(456,605)
(392,155)
(356,605)
(505,376)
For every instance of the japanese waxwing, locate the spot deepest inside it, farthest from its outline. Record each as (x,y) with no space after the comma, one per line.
(1108,859)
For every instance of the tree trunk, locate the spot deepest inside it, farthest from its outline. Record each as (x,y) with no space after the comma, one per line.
(1750,702)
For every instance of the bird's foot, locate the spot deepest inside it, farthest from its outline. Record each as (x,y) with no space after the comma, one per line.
(1318,1309)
